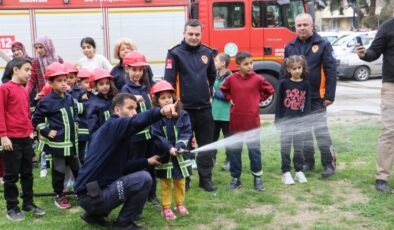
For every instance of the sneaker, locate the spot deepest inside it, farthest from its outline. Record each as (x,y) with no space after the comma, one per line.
(182,210)
(327,171)
(62,202)
(287,178)
(382,186)
(15,214)
(258,184)
(168,214)
(95,220)
(33,208)
(300,177)
(235,184)
(35,164)
(226,166)
(1,180)
(43,173)
(154,201)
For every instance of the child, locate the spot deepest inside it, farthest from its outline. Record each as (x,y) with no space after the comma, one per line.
(173,135)
(220,105)
(55,118)
(294,102)
(91,60)
(16,132)
(246,90)
(138,85)
(83,131)
(99,103)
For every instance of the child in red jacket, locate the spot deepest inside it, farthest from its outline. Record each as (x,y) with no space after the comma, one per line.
(246,90)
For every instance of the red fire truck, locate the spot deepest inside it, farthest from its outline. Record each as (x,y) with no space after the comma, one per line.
(261,27)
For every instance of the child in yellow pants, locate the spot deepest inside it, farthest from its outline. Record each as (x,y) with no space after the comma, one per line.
(171,135)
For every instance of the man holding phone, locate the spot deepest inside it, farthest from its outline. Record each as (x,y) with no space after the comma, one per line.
(384,44)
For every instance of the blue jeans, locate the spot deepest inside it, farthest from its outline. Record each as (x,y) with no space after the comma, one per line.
(43,161)
(131,190)
(235,158)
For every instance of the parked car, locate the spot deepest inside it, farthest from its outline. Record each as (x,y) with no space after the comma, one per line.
(332,36)
(350,66)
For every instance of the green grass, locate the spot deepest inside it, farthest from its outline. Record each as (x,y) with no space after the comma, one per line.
(348,200)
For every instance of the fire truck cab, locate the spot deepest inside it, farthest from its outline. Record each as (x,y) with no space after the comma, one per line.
(261,27)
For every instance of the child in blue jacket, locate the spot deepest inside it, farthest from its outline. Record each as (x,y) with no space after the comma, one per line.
(56,120)
(172,136)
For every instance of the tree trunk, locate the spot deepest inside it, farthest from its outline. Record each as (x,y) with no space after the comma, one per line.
(372,8)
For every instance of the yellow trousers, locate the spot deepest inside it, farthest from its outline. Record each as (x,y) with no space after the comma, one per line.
(166,191)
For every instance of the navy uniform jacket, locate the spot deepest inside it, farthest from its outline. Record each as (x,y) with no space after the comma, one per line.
(107,157)
(193,70)
(58,113)
(82,104)
(141,90)
(121,77)
(97,111)
(321,64)
(168,133)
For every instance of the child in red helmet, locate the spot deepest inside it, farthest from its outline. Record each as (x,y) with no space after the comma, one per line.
(171,137)
(138,85)
(100,100)
(56,120)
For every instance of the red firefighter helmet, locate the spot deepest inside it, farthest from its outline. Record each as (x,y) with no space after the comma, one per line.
(55,69)
(99,74)
(161,86)
(135,59)
(84,73)
(71,68)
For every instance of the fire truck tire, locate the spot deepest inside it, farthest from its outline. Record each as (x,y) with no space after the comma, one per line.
(268,106)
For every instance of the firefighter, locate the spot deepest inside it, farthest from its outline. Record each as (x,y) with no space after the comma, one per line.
(56,120)
(108,179)
(190,69)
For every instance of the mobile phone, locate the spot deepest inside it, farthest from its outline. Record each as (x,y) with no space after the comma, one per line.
(359,41)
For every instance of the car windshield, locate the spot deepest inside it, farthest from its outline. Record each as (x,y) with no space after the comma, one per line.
(342,40)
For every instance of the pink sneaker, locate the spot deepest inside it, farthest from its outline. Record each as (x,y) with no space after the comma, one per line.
(168,214)
(182,210)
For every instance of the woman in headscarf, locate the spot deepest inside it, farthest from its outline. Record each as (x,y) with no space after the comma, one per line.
(18,50)
(46,56)
(122,46)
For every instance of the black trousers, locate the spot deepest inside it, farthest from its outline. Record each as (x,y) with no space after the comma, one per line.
(292,135)
(59,164)
(318,121)
(202,126)
(220,126)
(18,162)
(130,190)
(82,150)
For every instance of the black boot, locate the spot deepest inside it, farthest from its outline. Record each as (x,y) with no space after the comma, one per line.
(207,185)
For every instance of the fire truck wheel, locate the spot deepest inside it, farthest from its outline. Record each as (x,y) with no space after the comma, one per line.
(268,106)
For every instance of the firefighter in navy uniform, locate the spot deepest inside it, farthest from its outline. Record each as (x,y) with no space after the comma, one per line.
(190,69)
(108,177)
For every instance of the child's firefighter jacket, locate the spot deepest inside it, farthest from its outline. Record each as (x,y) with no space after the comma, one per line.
(57,113)
(168,133)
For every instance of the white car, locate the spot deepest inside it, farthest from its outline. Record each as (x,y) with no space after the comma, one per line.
(350,66)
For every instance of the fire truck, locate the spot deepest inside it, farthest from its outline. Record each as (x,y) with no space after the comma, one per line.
(261,27)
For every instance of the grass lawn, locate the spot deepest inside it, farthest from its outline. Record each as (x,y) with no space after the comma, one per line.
(348,200)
